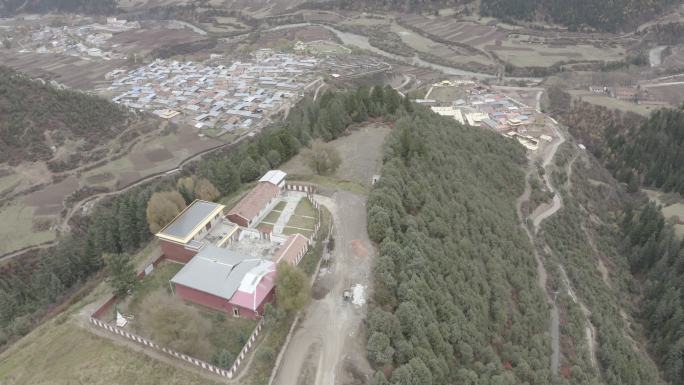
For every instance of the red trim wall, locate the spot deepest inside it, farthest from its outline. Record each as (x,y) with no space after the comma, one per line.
(238,219)
(176,251)
(218,303)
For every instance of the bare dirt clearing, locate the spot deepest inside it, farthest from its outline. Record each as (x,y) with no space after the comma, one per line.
(359,152)
(329,321)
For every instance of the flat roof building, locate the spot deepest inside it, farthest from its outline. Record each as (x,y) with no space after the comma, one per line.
(179,239)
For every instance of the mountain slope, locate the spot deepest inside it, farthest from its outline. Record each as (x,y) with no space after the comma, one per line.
(9,7)
(456,298)
(36,117)
(603,15)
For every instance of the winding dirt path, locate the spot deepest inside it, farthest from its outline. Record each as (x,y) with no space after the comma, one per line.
(537,217)
(542,274)
(590,330)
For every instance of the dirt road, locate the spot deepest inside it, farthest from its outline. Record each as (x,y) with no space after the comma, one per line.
(549,153)
(537,217)
(328,348)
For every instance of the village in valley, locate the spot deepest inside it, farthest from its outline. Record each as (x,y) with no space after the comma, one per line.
(217,98)
(220,231)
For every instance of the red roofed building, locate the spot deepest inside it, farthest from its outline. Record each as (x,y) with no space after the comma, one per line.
(259,201)
(292,250)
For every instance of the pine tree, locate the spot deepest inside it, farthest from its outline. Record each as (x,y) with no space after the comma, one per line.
(122,276)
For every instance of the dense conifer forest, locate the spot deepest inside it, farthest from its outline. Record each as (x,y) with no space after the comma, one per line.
(653,152)
(456,298)
(603,15)
(657,255)
(638,152)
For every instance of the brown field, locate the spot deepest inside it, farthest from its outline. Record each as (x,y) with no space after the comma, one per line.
(517,46)
(466,32)
(71,71)
(672,211)
(291,35)
(155,154)
(448,94)
(159,155)
(16,228)
(143,41)
(53,194)
(48,210)
(451,53)
(100,178)
(672,94)
(609,102)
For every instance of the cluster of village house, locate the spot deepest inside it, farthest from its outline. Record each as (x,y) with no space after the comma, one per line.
(229,264)
(222,97)
(482,107)
(82,41)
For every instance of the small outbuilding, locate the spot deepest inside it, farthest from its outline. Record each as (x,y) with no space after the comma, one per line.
(292,250)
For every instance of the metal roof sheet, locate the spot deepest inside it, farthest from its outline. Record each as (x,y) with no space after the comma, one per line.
(273,176)
(189,219)
(221,272)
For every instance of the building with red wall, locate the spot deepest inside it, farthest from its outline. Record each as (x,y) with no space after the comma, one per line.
(182,238)
(259,201)
(292,250)
(225,280)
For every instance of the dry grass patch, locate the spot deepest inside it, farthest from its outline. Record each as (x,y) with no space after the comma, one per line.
(65,353)
(17,228)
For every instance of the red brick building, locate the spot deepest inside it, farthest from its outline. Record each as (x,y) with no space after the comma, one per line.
(259,201)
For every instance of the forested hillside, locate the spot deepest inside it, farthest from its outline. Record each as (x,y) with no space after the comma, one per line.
(657,255)
(9,7)
(456,298)
(652,152)
(638,151)
(581,237)
(648,152)
(603,15)
(36,117)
